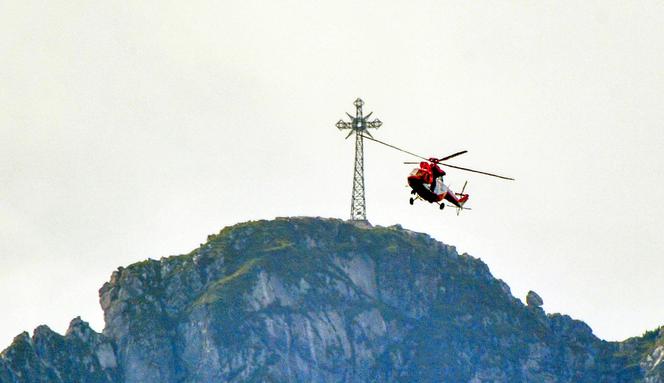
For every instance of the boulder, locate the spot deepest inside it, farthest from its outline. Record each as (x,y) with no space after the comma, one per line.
(533,299)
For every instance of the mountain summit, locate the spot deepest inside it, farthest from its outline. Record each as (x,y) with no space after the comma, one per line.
(322,300)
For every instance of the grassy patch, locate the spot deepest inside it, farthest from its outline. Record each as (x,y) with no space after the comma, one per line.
(221,289)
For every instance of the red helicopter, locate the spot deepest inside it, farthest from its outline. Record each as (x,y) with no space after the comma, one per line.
(426,182)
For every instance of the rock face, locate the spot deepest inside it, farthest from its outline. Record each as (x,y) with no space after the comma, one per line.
(306,299)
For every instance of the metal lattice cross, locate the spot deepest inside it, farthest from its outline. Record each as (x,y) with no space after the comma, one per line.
(358,125)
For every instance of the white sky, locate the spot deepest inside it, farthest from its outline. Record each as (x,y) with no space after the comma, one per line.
(131,130)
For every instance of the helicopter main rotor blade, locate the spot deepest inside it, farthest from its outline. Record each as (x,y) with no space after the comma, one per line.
(349,133)
(393,147)
(452,155)
(477,171)
(438,161)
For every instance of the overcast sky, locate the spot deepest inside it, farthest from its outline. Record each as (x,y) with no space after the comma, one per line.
(131,130)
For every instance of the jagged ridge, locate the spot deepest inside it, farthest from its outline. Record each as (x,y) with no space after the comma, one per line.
(306,299)
(82,355)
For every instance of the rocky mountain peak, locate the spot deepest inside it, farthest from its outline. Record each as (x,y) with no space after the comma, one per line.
(310,299)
